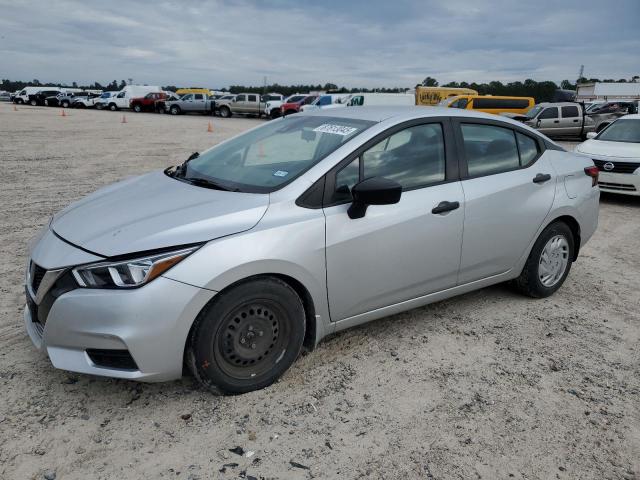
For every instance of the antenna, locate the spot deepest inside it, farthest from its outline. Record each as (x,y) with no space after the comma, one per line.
(581,74)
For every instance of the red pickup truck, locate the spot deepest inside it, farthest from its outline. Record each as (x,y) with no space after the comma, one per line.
(149,102)
(294,103)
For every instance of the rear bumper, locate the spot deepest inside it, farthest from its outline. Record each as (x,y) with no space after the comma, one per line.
(151,323)
(624,183)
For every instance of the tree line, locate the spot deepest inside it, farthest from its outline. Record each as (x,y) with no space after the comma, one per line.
(542,91)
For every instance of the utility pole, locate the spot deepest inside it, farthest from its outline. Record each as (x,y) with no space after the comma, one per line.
(580,75)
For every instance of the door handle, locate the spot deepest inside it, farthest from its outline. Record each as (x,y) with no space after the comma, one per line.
(541,178)
(556,121)
(444,207)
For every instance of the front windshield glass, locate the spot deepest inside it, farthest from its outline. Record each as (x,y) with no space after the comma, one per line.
(623,130)
(264,159)
(295,98)
(445,102)
(534,111)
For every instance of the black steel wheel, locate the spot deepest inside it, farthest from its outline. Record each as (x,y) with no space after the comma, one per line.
(247,337)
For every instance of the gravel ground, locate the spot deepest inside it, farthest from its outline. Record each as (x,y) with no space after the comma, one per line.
(487,385)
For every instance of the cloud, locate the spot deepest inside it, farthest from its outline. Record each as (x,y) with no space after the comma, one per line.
(357,43)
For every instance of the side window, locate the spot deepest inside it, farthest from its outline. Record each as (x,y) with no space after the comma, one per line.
(241,98)
(528,148)
(413,157)
(346,180)
(489,149)
(549,113)
(188,97)
(253,98)
(460,103)
(198,96)
(568,112)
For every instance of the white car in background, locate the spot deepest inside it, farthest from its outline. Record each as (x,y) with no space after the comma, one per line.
(616,153)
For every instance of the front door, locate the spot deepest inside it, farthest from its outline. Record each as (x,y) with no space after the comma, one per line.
(548,121)
(402,251)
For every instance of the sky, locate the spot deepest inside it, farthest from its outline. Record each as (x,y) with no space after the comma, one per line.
(354,43)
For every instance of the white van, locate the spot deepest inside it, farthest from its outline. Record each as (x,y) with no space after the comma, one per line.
(124,96)
(379,99)
(325,100)
(23,96)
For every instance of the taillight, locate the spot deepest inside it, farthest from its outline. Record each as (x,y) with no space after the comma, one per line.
(592,172)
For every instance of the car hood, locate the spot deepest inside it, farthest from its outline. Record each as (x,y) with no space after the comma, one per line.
(155,211)
(610,149)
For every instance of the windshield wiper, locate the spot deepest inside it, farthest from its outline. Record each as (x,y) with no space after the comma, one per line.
(181,170)
(203,182)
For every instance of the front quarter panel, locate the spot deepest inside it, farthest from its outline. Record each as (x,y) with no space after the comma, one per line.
(288,241)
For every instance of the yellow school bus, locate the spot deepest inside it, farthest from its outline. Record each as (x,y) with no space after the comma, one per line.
(490,104)
(183,91)
(434,95)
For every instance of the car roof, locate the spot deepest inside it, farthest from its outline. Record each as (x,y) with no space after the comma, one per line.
(633,116)
(401,113)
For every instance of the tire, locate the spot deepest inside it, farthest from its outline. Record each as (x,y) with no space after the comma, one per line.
(99,106)
(33,103)
(65,104)
(20,101)
(113,107)
(274,113)
(175,110)
(246,338)
(541,278)
(137,108)
(225,112)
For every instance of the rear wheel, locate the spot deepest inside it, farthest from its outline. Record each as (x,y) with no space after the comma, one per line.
(549,262)
(225,112)
(65,104)
(33,103)
(247,337)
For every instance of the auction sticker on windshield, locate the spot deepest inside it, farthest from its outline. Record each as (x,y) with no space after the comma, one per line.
(335,129)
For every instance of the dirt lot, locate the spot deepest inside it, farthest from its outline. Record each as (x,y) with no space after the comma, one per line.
(488,385)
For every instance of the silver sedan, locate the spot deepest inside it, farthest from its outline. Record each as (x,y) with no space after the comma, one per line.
(243,255)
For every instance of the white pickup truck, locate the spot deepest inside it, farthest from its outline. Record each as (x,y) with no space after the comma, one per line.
(123,98)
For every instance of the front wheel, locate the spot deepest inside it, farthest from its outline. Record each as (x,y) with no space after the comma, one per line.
(65,104)
(33,103)
(113,107)
(225,112)
(549,262)
(175,110)
(246,338)
(137,108)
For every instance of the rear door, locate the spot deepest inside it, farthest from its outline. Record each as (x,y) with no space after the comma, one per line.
(548,121)
(253,104)
(509,187)
(239,104)
(402,251)
(570,120)
(199,102)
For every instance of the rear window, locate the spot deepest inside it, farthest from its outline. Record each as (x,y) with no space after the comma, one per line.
(500,103)
(571,111)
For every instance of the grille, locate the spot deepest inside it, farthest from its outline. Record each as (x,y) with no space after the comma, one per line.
(37,274)
(617,186)
(618,167)
(33,310)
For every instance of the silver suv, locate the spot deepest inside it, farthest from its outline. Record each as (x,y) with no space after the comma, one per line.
(243,255)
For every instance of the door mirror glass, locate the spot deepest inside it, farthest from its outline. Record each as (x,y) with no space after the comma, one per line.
(373,191)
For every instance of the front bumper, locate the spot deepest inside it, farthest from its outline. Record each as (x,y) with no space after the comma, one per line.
(625,183)
(151,323)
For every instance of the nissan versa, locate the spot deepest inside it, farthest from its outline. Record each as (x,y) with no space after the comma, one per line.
(235,260)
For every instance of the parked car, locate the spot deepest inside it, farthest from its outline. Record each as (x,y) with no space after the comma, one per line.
(617,107)
(272,103)
(566,119)
(616,153)
(190,103)
(490,103)
(62,99)
(22,96)
(324,101)
(35,95)
(272,107)
(5,97)
(169,97)
(98,102)
(123,98)
(151,102)
(241,104)
(294,103)
(236,259)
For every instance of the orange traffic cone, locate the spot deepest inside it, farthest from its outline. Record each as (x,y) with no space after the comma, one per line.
(210,128)
(62,114)
(124,119)
(15,109)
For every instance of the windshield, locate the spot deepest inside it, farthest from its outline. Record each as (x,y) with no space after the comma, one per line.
(295,98)
(533,113)
(623,130)
(268,157)
(446,101)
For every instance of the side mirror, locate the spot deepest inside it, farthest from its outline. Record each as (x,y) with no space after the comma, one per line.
(373,191)
(592,135)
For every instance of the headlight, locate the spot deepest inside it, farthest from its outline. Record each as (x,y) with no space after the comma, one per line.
(129,273)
